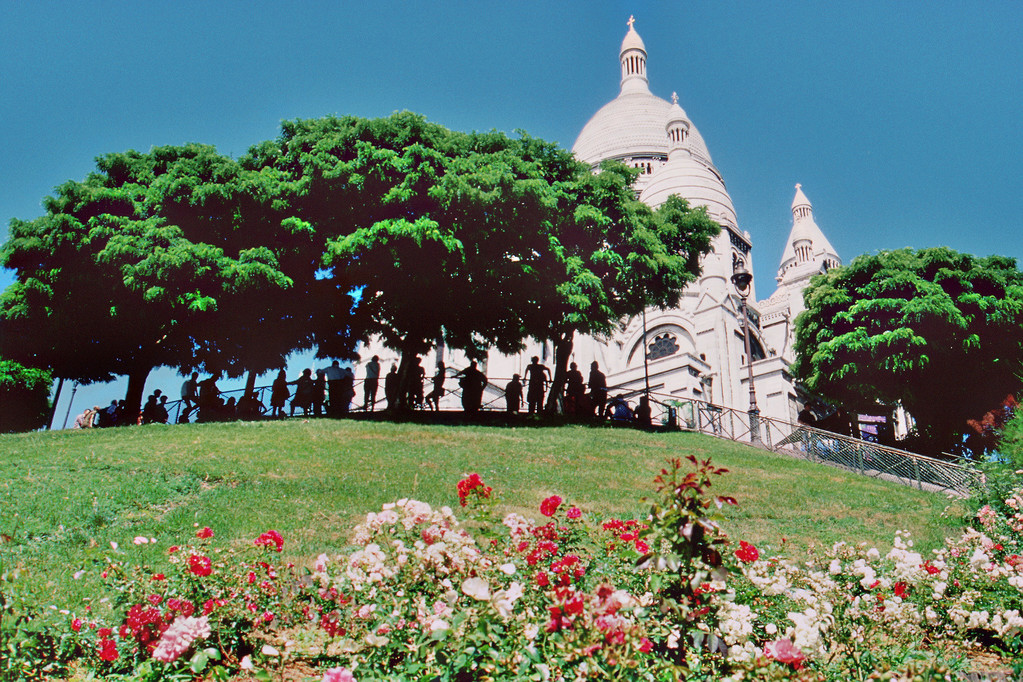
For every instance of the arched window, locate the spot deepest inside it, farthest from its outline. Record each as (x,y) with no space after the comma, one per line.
(662,346)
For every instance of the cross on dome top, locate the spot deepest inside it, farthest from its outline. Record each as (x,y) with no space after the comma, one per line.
(674,98)
(631,21)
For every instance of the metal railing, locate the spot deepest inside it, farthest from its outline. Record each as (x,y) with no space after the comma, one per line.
(863,457)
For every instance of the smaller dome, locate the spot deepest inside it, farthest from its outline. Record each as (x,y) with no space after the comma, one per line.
(632,41)
(676,114)
(690,179)
(800,199)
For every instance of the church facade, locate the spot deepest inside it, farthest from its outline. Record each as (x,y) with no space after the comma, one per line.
(695,350)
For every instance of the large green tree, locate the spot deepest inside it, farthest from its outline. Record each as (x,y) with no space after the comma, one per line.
(124,272)
(938,332)
(480,238)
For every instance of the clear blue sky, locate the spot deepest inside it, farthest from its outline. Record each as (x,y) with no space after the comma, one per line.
(902,120)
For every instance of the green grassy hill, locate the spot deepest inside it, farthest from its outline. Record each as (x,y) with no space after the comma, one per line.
(65,496)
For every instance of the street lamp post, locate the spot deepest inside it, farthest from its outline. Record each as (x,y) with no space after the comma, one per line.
(741,279)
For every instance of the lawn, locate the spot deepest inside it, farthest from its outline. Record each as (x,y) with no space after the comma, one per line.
(67,495)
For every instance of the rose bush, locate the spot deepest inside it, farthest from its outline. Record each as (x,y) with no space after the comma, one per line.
(423,594)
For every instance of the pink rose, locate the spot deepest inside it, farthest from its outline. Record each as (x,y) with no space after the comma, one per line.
(338,675)
(784,651)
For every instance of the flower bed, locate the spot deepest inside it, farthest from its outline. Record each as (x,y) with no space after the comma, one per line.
(424,594)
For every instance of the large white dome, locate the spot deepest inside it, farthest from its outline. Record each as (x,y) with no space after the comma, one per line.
(630,125)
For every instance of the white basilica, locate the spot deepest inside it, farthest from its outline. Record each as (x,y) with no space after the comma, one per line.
(696,349)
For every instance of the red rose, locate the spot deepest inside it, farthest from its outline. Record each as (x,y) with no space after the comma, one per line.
(747,553)
(200,565)
(271,538)
(470,485)
(108,650)
(204,533)
(574,513)
(549,506)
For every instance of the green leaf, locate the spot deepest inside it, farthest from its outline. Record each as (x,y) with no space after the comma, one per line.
(199,661)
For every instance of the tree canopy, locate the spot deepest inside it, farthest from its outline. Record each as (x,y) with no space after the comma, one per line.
(478,238)
(935,331)
(340,229)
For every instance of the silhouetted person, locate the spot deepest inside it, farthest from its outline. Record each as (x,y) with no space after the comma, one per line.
(303,392)
(537,376)
(391,388)
(107,416)
(149,410)
(347,388)
(598,389)
(319,391)
(473,382)
(371,384)
(279,394)
(574,390)
(189,396)
(249,407)
(806,417)
(643,412)
(416,385)
(335,377)
(433,398)
(161,413)
(121,416)
(513,395)
(210,405)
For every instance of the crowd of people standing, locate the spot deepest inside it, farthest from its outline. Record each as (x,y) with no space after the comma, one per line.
(330,391)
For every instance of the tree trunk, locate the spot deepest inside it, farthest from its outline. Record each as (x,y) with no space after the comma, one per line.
(405,378)
(53,406)
(250,382)
(133,397)
(563,346)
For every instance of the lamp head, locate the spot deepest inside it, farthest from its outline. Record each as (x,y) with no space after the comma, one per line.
(741,278)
